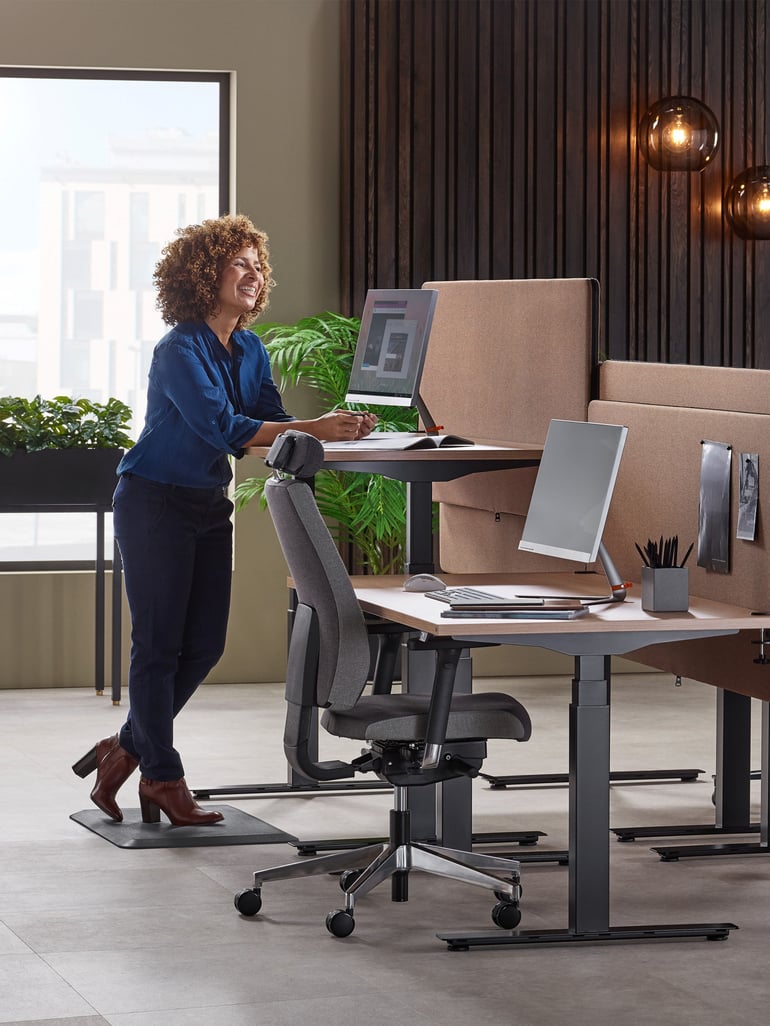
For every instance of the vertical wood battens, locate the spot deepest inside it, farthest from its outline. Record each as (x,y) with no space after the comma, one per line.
(498,138)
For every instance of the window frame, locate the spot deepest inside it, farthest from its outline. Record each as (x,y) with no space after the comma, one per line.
(224,81)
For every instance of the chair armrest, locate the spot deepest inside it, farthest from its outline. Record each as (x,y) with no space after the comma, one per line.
(448,652)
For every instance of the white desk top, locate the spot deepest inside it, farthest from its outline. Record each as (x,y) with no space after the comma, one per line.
(384,596)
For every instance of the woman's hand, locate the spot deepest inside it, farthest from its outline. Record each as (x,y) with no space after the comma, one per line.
(338,426)
(344,426)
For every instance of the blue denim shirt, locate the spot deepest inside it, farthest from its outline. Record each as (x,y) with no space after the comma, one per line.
(203,403)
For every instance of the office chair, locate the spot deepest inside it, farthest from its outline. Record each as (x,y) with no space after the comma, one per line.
(412,740)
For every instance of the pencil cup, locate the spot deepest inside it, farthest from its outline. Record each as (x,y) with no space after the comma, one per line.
(665,589)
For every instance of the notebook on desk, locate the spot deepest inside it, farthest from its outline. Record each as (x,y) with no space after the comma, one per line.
(466,599)
(556,612)
(400,440)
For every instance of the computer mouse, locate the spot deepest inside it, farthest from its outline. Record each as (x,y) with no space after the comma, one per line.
(424,582)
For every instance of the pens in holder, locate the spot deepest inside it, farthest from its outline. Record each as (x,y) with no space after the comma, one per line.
(663,553)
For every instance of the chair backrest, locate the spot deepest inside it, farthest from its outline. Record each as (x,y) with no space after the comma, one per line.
(322,584)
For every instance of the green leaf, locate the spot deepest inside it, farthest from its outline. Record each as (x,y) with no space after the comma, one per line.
(33,425)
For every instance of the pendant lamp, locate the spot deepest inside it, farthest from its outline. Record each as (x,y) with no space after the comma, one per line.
(747,200)
(679,133)
(747,203)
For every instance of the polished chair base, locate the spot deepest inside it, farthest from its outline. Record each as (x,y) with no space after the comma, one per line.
(364,868)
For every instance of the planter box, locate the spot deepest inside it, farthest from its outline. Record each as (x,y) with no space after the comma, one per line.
(59,477)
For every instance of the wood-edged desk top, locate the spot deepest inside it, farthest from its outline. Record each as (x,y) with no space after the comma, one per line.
(483,451)
(384,596)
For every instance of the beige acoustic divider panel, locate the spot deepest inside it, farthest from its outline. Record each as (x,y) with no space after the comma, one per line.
(505,358)
(658,493)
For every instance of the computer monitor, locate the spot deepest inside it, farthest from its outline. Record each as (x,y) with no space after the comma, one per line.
(391,347)
(572,494)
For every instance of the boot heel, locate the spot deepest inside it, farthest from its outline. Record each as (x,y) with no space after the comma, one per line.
(87,764)
(150,811)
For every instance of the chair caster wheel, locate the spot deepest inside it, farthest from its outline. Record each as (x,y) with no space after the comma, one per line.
(349,877)
(506,915)
(248,902)
(340,923)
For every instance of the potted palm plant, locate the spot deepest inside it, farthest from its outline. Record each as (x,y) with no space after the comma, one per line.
(366,512)
(60,451)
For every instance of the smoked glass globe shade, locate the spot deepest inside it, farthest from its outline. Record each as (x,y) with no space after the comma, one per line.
(678,133)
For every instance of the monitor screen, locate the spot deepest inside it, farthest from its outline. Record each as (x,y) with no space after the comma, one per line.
(573,489)
(390,352)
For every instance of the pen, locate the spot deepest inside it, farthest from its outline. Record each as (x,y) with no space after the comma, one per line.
(644,558)
(687,554)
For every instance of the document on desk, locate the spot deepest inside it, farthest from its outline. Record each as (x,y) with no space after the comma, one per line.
(400,440)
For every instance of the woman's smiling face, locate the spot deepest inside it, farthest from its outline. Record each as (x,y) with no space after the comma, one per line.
(241,282)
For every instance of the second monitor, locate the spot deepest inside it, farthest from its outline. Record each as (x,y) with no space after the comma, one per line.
(572,494)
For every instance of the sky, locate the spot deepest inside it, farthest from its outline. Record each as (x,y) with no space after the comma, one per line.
(50,121)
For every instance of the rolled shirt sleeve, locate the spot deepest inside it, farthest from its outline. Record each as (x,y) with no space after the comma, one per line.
(203,405)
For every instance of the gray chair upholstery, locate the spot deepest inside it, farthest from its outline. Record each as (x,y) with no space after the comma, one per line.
(413,740)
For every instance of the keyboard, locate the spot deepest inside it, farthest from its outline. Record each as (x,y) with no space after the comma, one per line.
(476,597)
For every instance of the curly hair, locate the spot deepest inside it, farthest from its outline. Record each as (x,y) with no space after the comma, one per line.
(188,274)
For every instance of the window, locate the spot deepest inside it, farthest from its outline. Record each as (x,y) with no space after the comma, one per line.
(107,166)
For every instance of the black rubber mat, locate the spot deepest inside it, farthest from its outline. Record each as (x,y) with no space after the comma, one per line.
(236,828)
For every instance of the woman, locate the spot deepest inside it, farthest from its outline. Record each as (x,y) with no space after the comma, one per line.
(210,395)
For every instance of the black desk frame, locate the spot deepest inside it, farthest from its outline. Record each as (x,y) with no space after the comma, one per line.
(589,777)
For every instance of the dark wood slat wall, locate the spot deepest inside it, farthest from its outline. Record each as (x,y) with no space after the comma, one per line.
(497,139)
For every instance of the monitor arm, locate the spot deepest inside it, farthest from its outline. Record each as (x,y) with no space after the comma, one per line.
(429,424)
(618,586)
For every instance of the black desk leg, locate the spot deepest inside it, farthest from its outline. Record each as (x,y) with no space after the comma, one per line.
(419,528)
(589,800)
(764,826)
(733,762)
(734,781)
(589,821)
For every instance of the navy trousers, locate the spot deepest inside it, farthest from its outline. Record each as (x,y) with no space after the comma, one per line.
(176,547)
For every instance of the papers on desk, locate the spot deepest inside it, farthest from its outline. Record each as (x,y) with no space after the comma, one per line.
(400,440)
(515,614)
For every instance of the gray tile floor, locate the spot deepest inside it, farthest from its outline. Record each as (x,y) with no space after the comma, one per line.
(92,934)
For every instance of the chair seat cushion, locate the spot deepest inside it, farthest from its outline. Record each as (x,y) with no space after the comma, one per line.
(405,718)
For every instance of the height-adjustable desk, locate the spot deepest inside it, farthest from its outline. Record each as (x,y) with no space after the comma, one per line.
(609,630)
(420,469)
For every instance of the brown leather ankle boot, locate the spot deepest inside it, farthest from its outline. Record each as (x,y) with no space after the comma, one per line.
(113,767)
(172,797)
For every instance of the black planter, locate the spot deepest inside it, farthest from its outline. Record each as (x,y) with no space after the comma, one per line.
(59,477)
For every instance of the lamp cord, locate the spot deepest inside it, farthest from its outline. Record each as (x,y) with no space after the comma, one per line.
(764,83)
(681,49)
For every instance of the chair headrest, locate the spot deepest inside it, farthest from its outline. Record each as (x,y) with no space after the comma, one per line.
(296,453)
